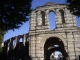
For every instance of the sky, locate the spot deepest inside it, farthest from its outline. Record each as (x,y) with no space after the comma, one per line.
(25,27)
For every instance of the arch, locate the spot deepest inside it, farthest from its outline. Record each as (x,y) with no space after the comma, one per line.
(47,36)
(42,42)
(54,40)
(51,41)
(62,15)
(20,40)
(52,19)
(51,10)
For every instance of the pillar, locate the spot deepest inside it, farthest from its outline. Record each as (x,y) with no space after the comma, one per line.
(24,39)
(33,21)
(16,41)
(70,19)
(38,18)
(58,19)
(47,19)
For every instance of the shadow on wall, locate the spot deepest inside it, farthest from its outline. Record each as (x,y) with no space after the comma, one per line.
(20,52)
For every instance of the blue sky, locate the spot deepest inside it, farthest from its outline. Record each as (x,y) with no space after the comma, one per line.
(25,27)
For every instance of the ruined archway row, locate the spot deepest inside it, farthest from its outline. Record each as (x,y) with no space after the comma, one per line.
(40,18)
(11,43)
(42,15)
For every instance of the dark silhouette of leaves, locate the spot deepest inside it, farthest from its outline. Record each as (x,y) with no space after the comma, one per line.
(74,7)
(13,13)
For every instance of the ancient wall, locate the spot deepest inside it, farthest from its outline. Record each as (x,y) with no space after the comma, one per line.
(66,29)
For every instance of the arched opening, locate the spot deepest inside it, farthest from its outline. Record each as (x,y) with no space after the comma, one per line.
(20,40)
(62,16)
(43,17)
(54,44)
(27,39)
(52,20)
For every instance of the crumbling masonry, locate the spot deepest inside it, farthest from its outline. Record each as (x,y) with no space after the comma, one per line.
(66,30)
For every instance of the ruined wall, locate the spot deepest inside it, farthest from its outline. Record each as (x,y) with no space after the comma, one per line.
(66,29)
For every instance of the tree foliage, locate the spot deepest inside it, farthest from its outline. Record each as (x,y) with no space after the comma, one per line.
(13,13)
(74,7)
(2,36)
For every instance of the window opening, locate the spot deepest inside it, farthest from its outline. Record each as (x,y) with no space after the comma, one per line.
(43,17)
(20,40)
(62,16)
(52,21)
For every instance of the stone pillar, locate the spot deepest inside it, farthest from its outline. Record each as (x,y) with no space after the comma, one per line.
(74,20)
(71,46)
(76,36)
(58,19)
(46,17)
(11,43)
(34,48)
(8,48)
(24,39)
(33,20)
(32,45)
(16,41)
(39,20)
(37,47)
(70,19)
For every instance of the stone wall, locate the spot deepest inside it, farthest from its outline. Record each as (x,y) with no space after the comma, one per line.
(67,31)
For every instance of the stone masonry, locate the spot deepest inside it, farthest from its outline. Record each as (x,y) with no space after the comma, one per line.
(66,29)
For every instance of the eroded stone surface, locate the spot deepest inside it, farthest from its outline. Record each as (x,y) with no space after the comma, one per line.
(66,30)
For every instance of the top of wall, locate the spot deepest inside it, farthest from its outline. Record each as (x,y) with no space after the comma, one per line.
(51,4)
